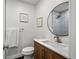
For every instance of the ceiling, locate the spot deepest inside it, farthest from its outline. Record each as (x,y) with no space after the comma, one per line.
(31,1)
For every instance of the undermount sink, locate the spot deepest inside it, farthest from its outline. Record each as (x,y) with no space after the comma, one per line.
(60,46)
(50,43)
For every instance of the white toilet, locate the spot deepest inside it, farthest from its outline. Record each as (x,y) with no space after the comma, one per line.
(28,52)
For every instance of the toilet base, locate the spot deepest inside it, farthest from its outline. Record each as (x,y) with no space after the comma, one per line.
(28,57)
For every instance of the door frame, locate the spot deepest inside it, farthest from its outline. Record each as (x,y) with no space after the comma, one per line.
(4,28)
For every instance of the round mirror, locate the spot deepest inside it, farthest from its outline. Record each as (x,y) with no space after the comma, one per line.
(58,20)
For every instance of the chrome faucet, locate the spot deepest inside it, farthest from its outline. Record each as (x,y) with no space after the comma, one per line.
(58,39)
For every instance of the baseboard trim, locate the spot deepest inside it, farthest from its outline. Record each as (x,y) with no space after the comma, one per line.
(15,56)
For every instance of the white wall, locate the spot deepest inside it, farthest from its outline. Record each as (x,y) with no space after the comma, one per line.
(14,7)
(72,29)
(43,10)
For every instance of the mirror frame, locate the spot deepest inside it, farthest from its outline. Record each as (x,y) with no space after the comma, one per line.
(48,18)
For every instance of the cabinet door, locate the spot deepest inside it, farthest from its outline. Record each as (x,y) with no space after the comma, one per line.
(39,51)
(59,57)
(49,54)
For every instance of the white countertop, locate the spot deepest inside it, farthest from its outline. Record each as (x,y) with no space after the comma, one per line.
(64,50)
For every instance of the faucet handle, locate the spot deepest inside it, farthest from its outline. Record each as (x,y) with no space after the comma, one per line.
(58,39)
(55,36)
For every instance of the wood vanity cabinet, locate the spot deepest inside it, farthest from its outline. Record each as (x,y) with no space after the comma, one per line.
(48,54)
(42,52)
(38,51)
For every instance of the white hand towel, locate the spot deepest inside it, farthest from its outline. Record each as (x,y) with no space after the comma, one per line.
(12,37)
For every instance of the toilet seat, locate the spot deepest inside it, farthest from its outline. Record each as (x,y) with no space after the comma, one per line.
(27,50)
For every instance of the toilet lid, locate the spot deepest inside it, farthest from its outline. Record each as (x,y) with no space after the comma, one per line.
(28,49)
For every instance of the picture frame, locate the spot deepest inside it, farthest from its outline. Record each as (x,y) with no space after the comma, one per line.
(39,22)
(24,17)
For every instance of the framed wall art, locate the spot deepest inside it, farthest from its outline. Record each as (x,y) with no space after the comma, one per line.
(24,18)
(39,22)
